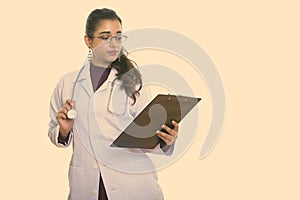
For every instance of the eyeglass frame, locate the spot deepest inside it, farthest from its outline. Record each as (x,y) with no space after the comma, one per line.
(109,39)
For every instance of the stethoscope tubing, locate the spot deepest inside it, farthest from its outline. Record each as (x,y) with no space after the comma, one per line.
(72,113)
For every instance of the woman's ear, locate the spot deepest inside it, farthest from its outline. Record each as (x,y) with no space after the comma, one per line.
(88,41)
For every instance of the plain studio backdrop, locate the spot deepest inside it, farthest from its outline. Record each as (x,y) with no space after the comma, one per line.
(255,47)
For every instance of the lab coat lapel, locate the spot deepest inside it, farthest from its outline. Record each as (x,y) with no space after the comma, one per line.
(110,78)
(85,80)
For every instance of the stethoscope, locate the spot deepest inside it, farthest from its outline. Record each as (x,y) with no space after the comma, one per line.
(72,113)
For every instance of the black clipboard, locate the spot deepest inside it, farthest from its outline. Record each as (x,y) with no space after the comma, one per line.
(141,132)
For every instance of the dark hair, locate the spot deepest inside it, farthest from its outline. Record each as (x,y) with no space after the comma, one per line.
(130,76)
(94,18)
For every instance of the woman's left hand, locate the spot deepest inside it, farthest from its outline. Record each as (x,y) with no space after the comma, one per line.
(170,137)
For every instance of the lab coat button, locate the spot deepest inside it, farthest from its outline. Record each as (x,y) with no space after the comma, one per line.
(95,166)
(112,188)
(95,191)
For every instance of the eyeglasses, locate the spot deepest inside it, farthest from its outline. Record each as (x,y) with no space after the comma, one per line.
(108,38)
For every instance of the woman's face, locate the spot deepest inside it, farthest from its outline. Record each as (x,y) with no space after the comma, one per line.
(105,51)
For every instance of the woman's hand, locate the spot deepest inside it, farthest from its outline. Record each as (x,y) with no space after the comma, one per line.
(170,137)
(65,124)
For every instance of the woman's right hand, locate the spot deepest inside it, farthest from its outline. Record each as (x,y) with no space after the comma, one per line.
(65,124)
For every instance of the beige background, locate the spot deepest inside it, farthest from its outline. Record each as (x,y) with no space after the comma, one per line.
(255,47)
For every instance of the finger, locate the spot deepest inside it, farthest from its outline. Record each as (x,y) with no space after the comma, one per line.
(67,107)
(61,115)
(70,102)
(64,110)
(169,140)
(176,126)
(169,130)
(164,135)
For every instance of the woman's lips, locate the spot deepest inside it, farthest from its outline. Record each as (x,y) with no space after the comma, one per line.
(113,52)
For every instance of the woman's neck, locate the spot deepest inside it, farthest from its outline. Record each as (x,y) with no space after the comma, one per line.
(100,64)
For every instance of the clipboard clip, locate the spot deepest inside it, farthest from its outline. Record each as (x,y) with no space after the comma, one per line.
(169,98)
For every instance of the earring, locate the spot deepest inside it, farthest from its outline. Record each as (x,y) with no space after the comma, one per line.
(90,55)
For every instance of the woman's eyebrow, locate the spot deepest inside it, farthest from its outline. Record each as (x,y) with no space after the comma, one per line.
(105,32)
(108,32)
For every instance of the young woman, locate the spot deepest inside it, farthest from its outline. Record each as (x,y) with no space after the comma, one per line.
(107,94)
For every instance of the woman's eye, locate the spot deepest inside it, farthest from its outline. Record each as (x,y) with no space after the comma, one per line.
(105,38)
(119,38)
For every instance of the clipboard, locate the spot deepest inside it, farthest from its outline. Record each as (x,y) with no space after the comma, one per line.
(141,132)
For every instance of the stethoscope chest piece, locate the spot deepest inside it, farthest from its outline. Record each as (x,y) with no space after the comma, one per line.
(72,114)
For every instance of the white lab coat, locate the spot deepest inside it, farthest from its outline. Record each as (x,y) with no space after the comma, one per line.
(127,174)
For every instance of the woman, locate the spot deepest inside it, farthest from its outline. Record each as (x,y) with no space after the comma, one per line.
(98,171)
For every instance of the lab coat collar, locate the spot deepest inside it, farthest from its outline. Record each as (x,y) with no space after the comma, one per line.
(112,75)
(84,77)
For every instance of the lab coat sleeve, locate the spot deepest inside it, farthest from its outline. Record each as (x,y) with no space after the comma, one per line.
(56,102)
(165,150)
